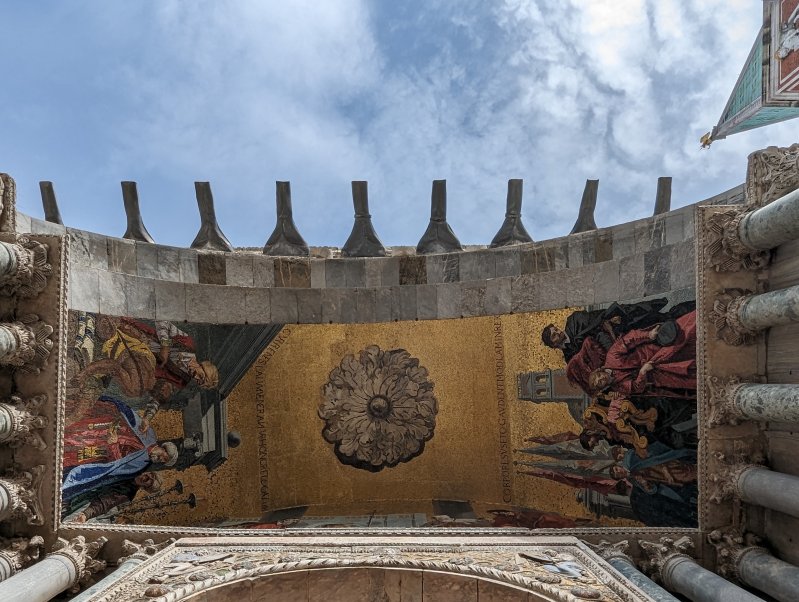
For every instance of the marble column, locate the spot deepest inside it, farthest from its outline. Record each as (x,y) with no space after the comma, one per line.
(615,554)
(70,565)
(739,315)
(738,557)
(19,496)
(23,267)
(20,420)
(135,554)
(732,401)
(771,225)
(25,344)
(17,553)
(763,487)
(670,564)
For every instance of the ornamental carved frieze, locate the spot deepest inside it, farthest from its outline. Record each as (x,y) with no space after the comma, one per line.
(731,546)
(609,550)
(724,249)
(19,552)
(379,409)
(771,173)
(22,488)
(721,395)
(24,420)
(726,317)
(723,482)
(555,572)
(28,268)
(8,201)
(83,556)
(660,553)
(30,343)
(132,550)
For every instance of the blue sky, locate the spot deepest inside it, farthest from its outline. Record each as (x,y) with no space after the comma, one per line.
(243,93)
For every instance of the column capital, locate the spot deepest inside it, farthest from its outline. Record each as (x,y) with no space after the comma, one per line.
(22,487)
(608,550)
(19,552)
(725,482)
(726,318)
(33,343)
(663,552)
(724,249)
(722,400)
(29,275)
(25,419)
(83,556)
(142,551)
(731,546)
(771,173)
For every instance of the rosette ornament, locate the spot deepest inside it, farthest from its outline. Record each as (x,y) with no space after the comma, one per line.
(379,408)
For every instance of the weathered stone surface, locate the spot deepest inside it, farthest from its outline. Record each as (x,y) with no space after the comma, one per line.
(448,300)
(211,268)
(603,246)
(170,301)
(168,263)
(331,304)
(439,237)
(239,269)
(335,274)
(657,271)
(473,299)
(285,239)
(263,271)
(606,282)
(623,238)
(585,218)
(365,302)
(507,262)
(363,240)
(121,255)
(443,268)
(498,296)
(84,289)
(189,271)
(512,231)
(111,288)
(389,271)
(383,304)
(631,277)
(141,297)
(682,265)
(88,250)
(372,273)
(426,302)
(477,265)
(147,260)
(292,272)
(524,293)
(215,304)
(210,235)
(412,269)
(309,305)
(405,296)
(552,290)
(580,286)
(258,306)
(675,229)
(354,272)
(284,305)
(318,273)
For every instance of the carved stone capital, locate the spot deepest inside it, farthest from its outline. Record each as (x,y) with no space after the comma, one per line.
(731,546)
(31,343)
(726,318)
(771,173)
(725,251)
(142,551)
(724,482)
(30,271)
(83,555)
(25,419)
(8,203)
(608,550)
(20,551)
(660,553)
(22,488)
(722,400)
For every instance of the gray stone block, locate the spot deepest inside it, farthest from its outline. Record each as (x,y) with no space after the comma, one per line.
(657,271)
(354,272)
(675,228)
(575,251)
(580,286)
(631,277)
(643,236)
(257,305)
(147,260)
(331,305)
(169,263)
(390,271)
(309,305)
(606,282)
(443,268)
(263,271)
(111,287)
(318,273)
(473,299)
(403,305)
(383,304)
(284,305)
(683,265)
(292,272)
(211,267)
(623,241)
(170,301)
(349,307)
(141,297)
(412,269)
(365,301)
(603,246)
(448,300)
(335,274)
(122,256)
(589,247)
(86,249)
(38,226)
(189,270)
(524,293)
(84,289)
(477,265)
(552,289)
(24,223)
(214,304)
(372,272)
(426,302)
(239,269)
(498,296)
(689,224)
(507,262)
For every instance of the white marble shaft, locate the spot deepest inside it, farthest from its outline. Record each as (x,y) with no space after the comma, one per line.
(683,575)
(772,225)
(5,502)
(761,570)
(759,312)
(8,261)
(626,567)
(769,489)
(768,402)
(6,424)
(122,570)
(40,582)
(8,341)
(6,569)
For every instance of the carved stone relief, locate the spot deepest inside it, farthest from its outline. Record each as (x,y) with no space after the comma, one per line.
(32,343)
(83,555)
(771,173)
(725,316)
(24,420)
(23,487)
(724,250)
(29,278)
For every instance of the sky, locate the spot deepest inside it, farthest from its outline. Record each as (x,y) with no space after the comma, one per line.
(243,93)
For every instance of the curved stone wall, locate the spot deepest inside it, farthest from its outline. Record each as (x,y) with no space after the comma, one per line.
(144,280)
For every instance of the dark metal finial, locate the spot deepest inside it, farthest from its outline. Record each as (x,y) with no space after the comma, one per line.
(585,219)
(210,236)
(136,229)
(663,197)
(512,231)
(363,240)
(285,239)
(439,237)
(51,212)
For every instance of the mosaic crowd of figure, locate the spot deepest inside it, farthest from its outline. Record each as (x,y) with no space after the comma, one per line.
(121,373)
(636,364)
